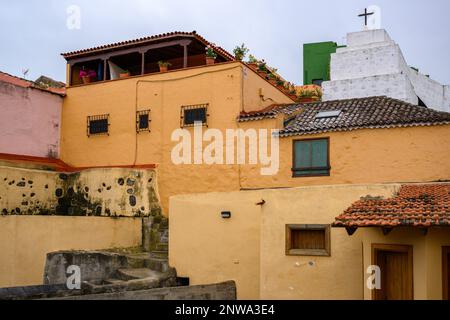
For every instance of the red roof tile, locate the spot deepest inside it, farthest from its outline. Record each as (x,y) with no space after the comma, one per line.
(145,40)
(423,205)
(59,165)
(20,82)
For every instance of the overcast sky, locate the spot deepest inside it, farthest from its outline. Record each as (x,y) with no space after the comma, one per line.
(34,33)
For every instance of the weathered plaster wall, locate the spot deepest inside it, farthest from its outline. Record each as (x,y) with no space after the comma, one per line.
(26,240)
(226,87)
(94,192)
(30,121)
(249,248)
(396,86)
(427,257)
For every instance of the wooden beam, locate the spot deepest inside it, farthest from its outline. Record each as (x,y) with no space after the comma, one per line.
(143,63)
(105,65)
(121,52)
(185,56)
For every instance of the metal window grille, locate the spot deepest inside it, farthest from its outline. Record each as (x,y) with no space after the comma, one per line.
(194,113)
(98,125)
(143,121)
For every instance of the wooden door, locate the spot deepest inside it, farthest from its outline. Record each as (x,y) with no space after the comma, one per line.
(446,273)
(396,265)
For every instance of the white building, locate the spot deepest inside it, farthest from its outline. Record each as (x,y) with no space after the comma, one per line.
(373,65)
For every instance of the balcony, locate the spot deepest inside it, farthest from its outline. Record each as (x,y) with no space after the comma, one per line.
(139,57)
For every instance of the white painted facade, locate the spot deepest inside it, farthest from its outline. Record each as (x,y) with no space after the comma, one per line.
(372,64)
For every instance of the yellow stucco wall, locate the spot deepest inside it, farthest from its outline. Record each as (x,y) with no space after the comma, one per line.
(228,88)
(415,154)
(205,247)
(25,241)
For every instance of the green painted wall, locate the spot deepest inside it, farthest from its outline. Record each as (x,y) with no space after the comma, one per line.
(316,60)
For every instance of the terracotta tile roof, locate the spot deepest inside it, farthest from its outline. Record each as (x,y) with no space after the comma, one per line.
(269,112)
(146,40)
(59,165)
(361,113)
(423,205)
(5,77)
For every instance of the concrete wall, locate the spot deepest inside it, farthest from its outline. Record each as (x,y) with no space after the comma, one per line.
(30,121)
(26,240)
(249,248)
(396,86)
(95,192)
(228,88)
(372,64)
(220,291)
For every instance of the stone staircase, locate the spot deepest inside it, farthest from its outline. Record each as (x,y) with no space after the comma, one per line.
(140,268)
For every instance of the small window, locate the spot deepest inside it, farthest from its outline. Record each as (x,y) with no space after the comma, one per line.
(311,158)
(143,121)
(328,114)
(98,125)
(308,240)
(192,114)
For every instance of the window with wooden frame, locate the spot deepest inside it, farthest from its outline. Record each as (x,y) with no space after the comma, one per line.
(143,121)
(192,114)
(98,125)
(308,240)
(311,157)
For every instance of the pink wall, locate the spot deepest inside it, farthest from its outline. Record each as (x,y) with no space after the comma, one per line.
(29,121)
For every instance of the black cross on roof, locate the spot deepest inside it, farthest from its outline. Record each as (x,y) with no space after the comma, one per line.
(365,15)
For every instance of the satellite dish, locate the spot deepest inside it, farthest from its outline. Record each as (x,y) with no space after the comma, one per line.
(374,20)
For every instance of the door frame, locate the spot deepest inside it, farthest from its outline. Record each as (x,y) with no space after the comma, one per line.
(445,266)
(400,248)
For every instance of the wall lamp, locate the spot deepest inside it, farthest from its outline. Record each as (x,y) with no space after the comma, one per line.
(225,214)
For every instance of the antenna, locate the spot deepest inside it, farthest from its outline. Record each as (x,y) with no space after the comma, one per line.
(25,72)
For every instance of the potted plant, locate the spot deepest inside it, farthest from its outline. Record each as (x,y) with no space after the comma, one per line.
(262,68)
(273,79)
(210,55)
(86,75)
(124,74)
(308,94)
(164,66)
(252,62)
(240,52)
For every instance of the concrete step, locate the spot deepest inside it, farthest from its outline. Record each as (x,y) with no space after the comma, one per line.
(161,265)
(162,246)
(114,281)
(160,254)
(138,273)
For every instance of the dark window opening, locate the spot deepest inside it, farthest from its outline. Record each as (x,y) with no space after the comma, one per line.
(308,240)
(98,125)
(317,82)
(192,114)
(311,158)
(143,121)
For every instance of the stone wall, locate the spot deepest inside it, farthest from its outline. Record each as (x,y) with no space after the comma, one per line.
(94,192)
